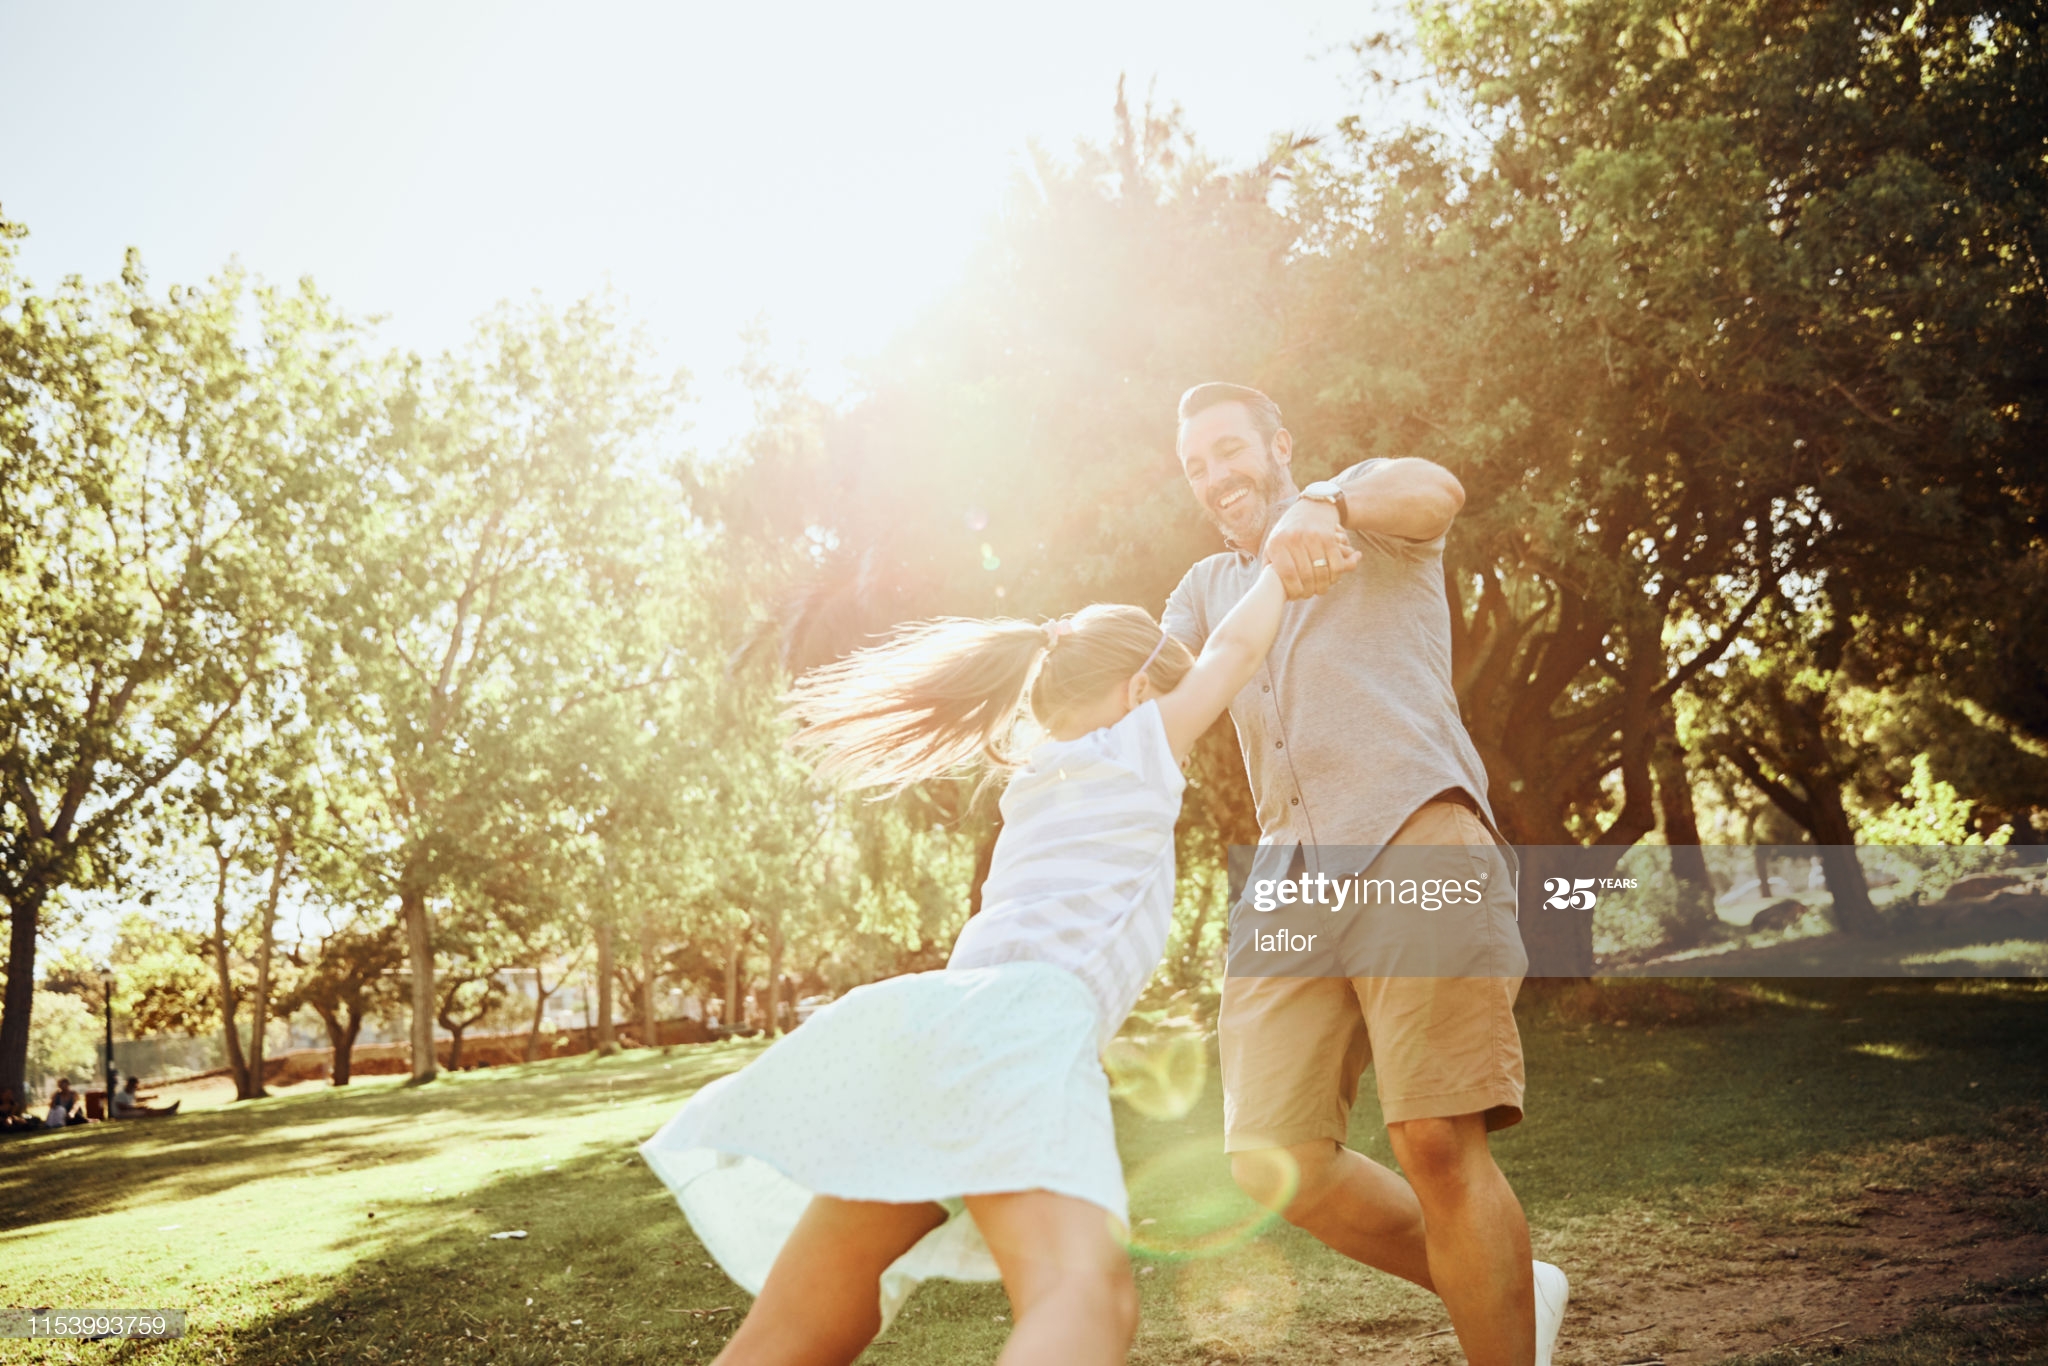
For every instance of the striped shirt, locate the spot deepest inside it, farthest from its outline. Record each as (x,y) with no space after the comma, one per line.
(1082,876)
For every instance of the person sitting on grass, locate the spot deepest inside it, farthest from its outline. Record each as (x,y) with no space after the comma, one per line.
(957,1123)
(66,1106)
(13,1118)
(128,1102)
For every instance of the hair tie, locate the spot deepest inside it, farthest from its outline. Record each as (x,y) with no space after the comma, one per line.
(1155,652)
(1055,631)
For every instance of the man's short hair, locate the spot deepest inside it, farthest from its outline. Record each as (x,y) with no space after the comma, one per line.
(1265,413)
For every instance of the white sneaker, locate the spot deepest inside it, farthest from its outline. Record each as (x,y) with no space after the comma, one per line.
(1553,1292)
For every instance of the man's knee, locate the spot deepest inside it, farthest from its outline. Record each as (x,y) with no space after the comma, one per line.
(1440,1154)
(1286,1180)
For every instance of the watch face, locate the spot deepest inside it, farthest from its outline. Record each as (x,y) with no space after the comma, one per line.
(1322,491)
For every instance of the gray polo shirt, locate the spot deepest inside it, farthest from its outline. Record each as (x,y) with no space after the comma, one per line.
(1352,723)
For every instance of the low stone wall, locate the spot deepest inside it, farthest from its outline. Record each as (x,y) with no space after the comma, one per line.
(478,1050)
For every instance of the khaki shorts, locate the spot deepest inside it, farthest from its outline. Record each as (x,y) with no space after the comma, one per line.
(1294,1047)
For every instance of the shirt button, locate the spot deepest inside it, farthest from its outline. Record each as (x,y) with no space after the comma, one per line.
(1265,687)
(1294,801)
(1279,744)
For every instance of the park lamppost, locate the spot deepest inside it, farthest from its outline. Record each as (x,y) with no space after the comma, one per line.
(107,995)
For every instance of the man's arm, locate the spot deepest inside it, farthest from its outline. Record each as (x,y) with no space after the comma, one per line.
(1409,498)
(1412,498)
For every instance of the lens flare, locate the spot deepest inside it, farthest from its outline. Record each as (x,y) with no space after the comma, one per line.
(1160,1075)
(1241,1303)
(1185,1204)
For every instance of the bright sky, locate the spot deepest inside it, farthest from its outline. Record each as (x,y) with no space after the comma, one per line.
(827,167)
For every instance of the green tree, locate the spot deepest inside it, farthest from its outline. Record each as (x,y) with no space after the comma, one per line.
(467,627)
(347,977)
(167,462)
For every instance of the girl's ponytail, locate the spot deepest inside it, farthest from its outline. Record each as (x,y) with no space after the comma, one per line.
(938,696)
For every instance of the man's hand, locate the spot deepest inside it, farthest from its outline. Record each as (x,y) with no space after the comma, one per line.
(1309,550)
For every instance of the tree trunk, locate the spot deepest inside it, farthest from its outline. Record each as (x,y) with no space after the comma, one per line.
(541,992)
(341,1040)
(775,973)
(1696,920)
(1820,812)
(1762,858)
(1637,816)
(650,1032)
(419,943)
(230,1003)
(1848,889)
(345,1051)
(457,1025)
(260,1005)
(23,917)
(733,1019)
(626,983)
(607,1041)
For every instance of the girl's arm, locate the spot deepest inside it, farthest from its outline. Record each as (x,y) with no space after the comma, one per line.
(1229,658)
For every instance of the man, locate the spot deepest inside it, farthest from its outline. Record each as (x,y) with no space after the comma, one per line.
(1352,740)
(128,1103)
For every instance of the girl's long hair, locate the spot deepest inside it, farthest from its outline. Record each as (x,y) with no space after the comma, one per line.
(942,695)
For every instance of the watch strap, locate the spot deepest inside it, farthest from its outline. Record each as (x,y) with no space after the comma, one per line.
(1335,499)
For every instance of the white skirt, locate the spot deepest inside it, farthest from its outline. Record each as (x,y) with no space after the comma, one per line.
(928,1087)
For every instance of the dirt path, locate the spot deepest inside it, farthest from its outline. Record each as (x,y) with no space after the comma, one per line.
(1911,1251)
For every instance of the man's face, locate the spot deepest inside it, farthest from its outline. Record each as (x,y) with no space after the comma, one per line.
(1235,476)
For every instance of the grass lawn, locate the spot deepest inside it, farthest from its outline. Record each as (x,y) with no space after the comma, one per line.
(1659,1161)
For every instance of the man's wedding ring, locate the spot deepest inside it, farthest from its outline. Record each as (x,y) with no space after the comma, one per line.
(1320,564)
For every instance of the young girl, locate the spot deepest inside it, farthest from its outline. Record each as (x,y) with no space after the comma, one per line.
(957,1123)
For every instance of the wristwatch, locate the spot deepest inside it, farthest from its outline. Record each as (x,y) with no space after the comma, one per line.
(1331,492)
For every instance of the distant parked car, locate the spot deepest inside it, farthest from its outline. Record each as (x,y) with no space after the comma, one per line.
(810,1006)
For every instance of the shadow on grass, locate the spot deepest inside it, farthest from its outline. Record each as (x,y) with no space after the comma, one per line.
(106,1167)
(608,1271)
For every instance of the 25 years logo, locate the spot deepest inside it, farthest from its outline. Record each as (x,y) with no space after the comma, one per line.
(1581,893)
(1569,893)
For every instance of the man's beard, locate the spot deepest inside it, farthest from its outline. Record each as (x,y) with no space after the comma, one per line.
(1268,488)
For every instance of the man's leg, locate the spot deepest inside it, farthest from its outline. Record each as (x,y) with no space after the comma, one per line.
(1447,1060)
(1293,1049)
(1347,1200)
(1436,1044)
(1478,1239)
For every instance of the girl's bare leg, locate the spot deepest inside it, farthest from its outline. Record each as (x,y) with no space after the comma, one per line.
(822,1303)
(1067,1275)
